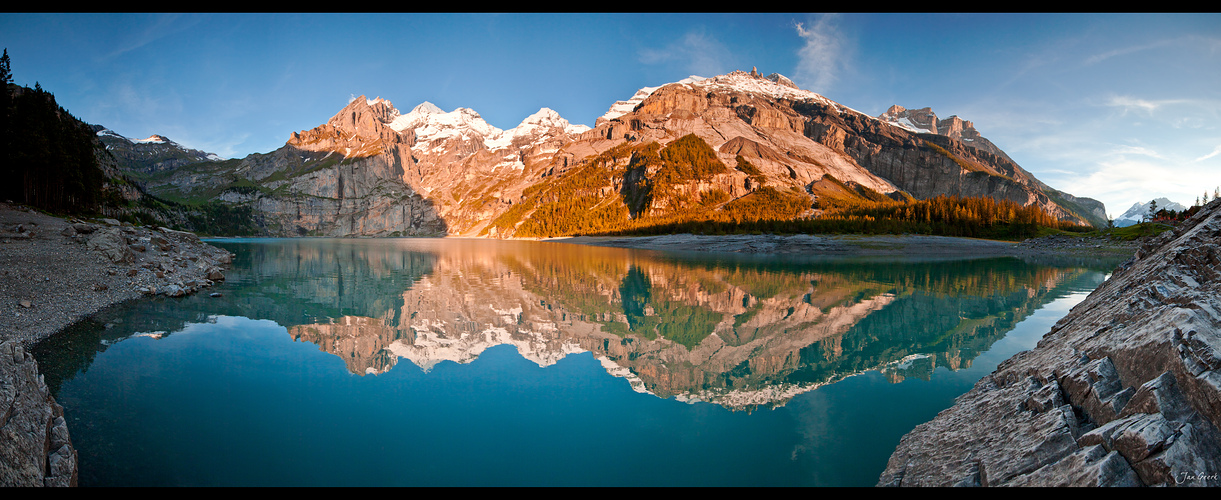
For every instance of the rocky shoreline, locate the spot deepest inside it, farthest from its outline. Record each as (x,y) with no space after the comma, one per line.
(1125,390)
(53,273)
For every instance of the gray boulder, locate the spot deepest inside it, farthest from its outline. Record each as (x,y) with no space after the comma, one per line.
(110,243)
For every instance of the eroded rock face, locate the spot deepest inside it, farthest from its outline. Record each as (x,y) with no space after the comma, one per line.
(1125,389)
(35,449)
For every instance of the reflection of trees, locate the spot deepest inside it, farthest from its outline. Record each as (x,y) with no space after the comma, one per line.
(300,281)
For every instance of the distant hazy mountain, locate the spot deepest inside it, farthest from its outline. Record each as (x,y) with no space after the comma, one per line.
(1140,210)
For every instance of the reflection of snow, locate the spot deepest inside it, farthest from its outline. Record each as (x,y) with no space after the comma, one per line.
(431,348)
(622,372)
(907,361)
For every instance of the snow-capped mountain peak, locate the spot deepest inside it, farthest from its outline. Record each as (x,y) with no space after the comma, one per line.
(154,139)
(431,123)
(547,118)
(1140,210)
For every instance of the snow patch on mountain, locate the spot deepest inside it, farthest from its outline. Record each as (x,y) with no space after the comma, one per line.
(107,132)
(906,124)
(620,108)
(153,139)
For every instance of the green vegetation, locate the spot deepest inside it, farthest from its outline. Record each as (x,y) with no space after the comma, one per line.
(687,158)
(747,168)
(966,165)
(1134,231)
(221,219)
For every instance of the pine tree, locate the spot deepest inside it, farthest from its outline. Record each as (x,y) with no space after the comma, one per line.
(6,104)
(6,71)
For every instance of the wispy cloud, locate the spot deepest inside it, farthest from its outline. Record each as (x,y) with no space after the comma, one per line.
(1212,44)
(1216,151)
(1097,58)
(1135,150)
(703,54)
(162,26)
(821,59)
(1129,103)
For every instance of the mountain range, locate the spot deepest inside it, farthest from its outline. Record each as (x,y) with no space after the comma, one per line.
(680,151)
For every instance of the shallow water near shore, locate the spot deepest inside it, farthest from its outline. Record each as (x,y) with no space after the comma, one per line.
(416,362)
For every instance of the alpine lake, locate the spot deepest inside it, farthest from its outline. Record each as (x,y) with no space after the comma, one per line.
(453,362)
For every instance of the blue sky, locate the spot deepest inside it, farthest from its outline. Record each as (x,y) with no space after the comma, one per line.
(1117,107)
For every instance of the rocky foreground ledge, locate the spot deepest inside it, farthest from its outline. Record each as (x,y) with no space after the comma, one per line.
(54,272)
(1124,391)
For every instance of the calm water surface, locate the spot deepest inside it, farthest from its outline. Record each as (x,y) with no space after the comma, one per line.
(412,362)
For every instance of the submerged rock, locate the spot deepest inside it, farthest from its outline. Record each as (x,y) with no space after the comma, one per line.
(1124,391)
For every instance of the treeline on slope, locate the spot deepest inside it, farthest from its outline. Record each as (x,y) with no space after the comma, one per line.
(49,158)
(648,189)
(975,217)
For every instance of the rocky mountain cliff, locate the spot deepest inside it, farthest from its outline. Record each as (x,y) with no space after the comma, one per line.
(373,171)
(924,121)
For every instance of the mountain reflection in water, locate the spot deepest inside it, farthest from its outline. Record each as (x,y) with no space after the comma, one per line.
(741,332)
(737,331)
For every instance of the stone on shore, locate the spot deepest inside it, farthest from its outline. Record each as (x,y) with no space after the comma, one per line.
(110,243)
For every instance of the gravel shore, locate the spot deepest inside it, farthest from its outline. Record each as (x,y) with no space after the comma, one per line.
(54,272)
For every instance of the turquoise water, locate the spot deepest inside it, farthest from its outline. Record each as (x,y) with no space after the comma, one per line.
(414,362)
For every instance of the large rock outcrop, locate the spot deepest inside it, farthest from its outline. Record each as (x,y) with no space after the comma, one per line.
(35,449)
(1124,390)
